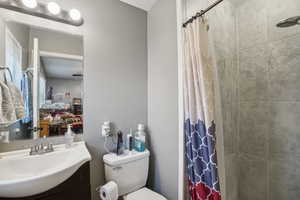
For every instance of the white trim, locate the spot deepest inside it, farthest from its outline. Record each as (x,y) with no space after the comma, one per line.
(180,103)
(35,99)
(60,55)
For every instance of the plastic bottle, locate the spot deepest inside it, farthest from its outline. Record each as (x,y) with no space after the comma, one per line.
(69,137)
(129,141)
(120,144)
(140,139)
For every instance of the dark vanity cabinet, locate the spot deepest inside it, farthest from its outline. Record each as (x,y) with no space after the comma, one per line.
(77,187)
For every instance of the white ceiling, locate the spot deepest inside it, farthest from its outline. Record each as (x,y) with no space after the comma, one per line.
(62,68)
(142,4)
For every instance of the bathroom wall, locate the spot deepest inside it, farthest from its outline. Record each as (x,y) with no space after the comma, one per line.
(163,98)
(65,85)
(221,20)
(269,96)
(115,73)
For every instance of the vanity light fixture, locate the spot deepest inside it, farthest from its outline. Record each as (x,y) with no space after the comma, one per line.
(53,8)
(30,3)
(75,14)
(50,11)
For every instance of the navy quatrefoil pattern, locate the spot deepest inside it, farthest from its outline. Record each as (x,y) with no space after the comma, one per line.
(201,159)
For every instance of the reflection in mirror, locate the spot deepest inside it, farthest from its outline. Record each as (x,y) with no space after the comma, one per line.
(60,94)
(54,82)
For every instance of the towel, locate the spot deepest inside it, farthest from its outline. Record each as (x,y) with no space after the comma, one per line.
(17,100)
(27,98)
(7,109)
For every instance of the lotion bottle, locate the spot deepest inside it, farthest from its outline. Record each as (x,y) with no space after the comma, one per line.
(69,137)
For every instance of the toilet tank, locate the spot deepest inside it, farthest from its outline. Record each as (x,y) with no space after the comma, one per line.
(129,171)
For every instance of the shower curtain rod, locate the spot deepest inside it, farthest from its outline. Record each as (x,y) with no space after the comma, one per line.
(202,12)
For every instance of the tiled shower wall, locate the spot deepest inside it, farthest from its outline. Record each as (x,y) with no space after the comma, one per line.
(259,74)
(269,108)
(223,29)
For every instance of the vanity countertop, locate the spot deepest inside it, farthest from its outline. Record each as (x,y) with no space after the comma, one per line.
(24,175)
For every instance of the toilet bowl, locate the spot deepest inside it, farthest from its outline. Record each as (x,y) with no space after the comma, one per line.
(144,194)
(130,172)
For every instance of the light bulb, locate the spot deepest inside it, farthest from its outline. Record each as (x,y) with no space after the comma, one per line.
(29,3)
(75,14)
(53,8)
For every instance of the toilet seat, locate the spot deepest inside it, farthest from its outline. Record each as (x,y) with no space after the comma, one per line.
(144,194)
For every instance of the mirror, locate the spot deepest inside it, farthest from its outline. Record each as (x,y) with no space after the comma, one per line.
(44,69)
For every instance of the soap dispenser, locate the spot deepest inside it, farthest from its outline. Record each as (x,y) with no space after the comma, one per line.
(69,136)
(140,139)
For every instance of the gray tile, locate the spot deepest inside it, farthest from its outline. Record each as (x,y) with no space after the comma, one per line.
(252,179)
(225,72)
(235,78)
(285,58)
(223,33)
(253,72)
(254,61)
(284,90)
(252,23)
(231,173)
(247,89)
(284,69)
(254,128)
(284,179)
(279,10)
(285,130)
(230,140)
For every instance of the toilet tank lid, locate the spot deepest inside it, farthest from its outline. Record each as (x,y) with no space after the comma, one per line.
(113,159)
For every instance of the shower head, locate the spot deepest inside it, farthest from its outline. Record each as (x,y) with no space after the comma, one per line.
(289,22)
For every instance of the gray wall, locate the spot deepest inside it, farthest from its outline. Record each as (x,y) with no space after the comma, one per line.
(115,72)
(65,85)
(163,98)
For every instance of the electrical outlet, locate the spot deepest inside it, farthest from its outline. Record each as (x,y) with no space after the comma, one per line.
(105,129)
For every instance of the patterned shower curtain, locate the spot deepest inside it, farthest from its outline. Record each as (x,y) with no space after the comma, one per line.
(200,126)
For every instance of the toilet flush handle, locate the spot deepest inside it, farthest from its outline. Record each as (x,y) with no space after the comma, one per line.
(117,168)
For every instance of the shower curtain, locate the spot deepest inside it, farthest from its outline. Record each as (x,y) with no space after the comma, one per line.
(200,126)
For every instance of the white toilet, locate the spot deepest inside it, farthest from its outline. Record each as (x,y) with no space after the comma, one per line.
(130,172)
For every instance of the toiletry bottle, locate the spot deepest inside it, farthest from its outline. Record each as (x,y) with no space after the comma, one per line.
(140,139)
(69,137)
(129,137)
(120,144)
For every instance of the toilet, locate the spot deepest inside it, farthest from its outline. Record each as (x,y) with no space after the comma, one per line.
(130,172)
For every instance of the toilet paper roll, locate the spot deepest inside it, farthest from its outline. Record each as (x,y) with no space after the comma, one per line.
(109,191)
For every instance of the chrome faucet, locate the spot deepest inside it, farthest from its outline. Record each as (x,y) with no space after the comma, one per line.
(40,149)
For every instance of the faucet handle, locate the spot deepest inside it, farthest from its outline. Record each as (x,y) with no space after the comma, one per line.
(49,147)
(32,150)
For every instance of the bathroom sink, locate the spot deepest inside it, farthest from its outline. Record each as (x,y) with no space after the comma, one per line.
(23,175)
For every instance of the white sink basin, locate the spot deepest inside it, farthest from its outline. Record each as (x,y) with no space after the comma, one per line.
(22,175)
